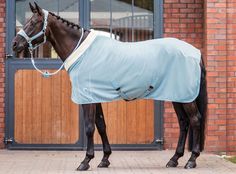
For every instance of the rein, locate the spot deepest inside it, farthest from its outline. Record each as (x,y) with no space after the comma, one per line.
(32,47)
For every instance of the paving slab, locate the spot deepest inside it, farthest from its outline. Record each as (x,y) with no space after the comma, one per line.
(122,162)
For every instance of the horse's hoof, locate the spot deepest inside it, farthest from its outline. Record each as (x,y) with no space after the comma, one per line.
(172,163)
(190,165)
(83,167)
(104,164)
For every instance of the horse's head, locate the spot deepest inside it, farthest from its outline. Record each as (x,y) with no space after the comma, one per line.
(33,32)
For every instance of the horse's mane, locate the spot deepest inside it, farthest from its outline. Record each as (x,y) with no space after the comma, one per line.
(68,23)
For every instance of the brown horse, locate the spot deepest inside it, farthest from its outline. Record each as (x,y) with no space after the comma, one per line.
(191,116)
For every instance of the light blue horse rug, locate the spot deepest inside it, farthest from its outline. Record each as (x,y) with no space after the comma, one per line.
(103,69)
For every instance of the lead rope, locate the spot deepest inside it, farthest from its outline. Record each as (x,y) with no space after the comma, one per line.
(46,73)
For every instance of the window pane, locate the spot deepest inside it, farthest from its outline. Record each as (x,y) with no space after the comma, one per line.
(128,20)
(66,9)
(143,20)
(100,14)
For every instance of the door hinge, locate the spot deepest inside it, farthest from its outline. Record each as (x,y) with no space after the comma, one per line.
(159,141)
(8,141)
(7,56)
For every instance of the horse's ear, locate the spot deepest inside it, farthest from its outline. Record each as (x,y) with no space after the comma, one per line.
(39,10)
(32,8)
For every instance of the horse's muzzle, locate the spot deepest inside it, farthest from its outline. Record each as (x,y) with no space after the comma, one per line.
(18,45)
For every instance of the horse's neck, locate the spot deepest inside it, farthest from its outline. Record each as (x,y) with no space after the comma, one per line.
(63,39)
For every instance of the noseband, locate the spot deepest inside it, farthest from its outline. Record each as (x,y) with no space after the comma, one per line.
(31,47)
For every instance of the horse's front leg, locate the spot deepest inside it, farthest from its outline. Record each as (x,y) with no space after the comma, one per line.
(89,111)
(101,126)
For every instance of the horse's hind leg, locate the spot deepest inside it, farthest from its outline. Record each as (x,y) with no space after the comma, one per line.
(101,126)
(194,116)
(89,118)
(183,125)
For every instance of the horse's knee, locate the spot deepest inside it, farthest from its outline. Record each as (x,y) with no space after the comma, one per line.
(100,123)
(90,130)
(184,125)
(101,129)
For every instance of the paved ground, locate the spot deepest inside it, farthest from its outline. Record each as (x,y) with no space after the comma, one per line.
(135,162)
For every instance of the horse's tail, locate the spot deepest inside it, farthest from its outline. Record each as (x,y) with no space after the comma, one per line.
(202,107)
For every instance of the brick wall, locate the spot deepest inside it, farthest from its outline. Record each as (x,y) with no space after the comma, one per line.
(220,49)
(216,53)
(2,73)
(183,19)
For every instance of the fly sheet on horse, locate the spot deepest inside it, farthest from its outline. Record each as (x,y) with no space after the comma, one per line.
(103,69)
